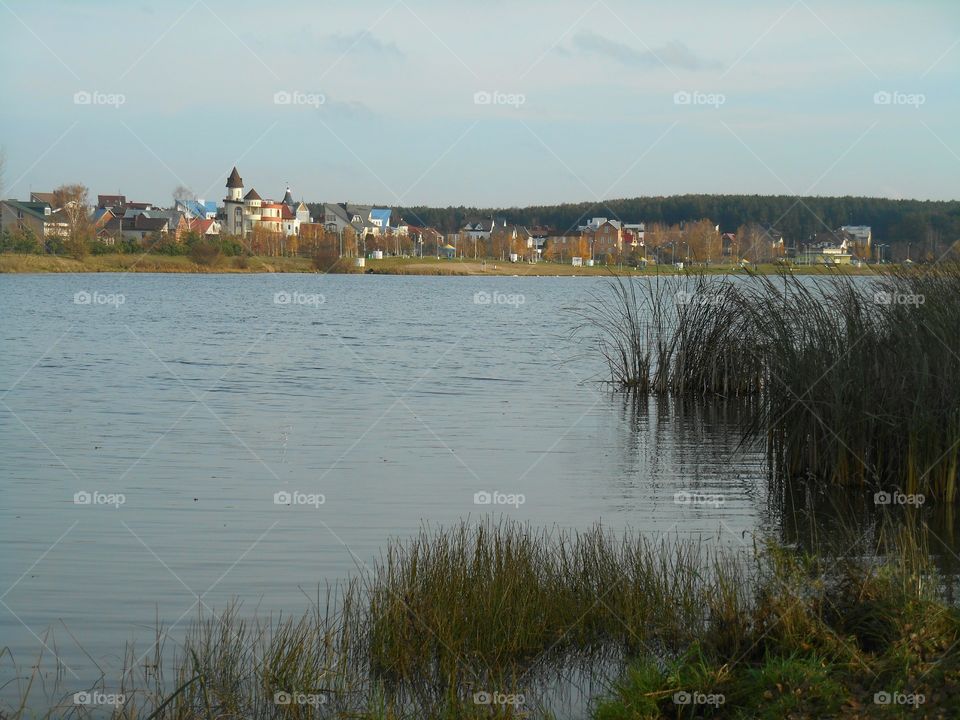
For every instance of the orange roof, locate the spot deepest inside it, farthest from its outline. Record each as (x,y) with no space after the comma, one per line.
(199,225)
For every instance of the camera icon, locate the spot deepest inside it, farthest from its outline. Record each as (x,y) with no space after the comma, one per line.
(482,498)
(482,298)
(282,698)
(682,97)
(82,97)
(681,498)
(882,698)
(882,298)
(282,97)
(881,498)
(82,498)
(482,698)
(482,97)
(683,297)
(282,498)
(82,298)
(681,697)
(282,298)
(882,97)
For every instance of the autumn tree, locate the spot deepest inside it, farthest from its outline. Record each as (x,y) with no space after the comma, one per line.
(703,240)
(71,200)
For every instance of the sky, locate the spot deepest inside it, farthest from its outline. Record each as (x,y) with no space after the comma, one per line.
(489,104)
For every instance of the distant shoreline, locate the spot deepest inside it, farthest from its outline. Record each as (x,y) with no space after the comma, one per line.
(11,263)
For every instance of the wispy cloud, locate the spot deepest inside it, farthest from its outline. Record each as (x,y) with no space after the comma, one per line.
(363,43)
(673,54)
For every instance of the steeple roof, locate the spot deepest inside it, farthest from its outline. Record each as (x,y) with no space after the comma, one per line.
(288,198)
(252,195)
(234,181)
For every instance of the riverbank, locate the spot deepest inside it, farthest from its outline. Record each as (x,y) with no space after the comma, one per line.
(152,263)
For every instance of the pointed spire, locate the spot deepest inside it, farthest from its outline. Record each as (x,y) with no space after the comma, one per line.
(234,181)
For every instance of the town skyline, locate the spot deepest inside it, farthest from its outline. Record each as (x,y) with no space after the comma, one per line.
(604,101)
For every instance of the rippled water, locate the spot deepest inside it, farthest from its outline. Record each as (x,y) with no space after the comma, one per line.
(396,398)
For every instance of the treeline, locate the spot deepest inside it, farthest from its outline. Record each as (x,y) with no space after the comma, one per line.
(924,223)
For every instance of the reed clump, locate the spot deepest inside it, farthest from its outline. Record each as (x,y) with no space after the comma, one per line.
(456,616)
(848,380)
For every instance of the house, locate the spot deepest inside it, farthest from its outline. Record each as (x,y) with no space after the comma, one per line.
(42,197)
(335,218)
(859,236)
(359,216)
(380,218)
(36,218)
(241,213)
(478,229)
(101,216)
(604,236)
(728,244)
(111,201)
(564,245)
(636,232)
(138,228)
(537,238)
(209,227)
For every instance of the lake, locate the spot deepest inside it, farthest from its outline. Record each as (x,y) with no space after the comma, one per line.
(171,443)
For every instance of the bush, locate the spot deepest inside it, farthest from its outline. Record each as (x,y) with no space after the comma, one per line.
(204,252)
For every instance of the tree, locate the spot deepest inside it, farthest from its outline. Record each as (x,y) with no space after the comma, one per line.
(71,200)
(750,243)
(202,251)
(703,241)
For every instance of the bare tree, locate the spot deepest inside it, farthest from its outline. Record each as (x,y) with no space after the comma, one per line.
(72,201)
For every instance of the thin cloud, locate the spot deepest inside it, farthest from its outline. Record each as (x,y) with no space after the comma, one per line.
(674,54)
(363,43)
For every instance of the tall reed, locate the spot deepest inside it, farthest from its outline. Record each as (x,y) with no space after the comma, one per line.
(850,380)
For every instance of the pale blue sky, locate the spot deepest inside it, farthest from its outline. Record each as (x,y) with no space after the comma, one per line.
(400,125)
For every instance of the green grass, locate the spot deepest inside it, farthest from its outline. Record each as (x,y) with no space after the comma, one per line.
(503,607)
